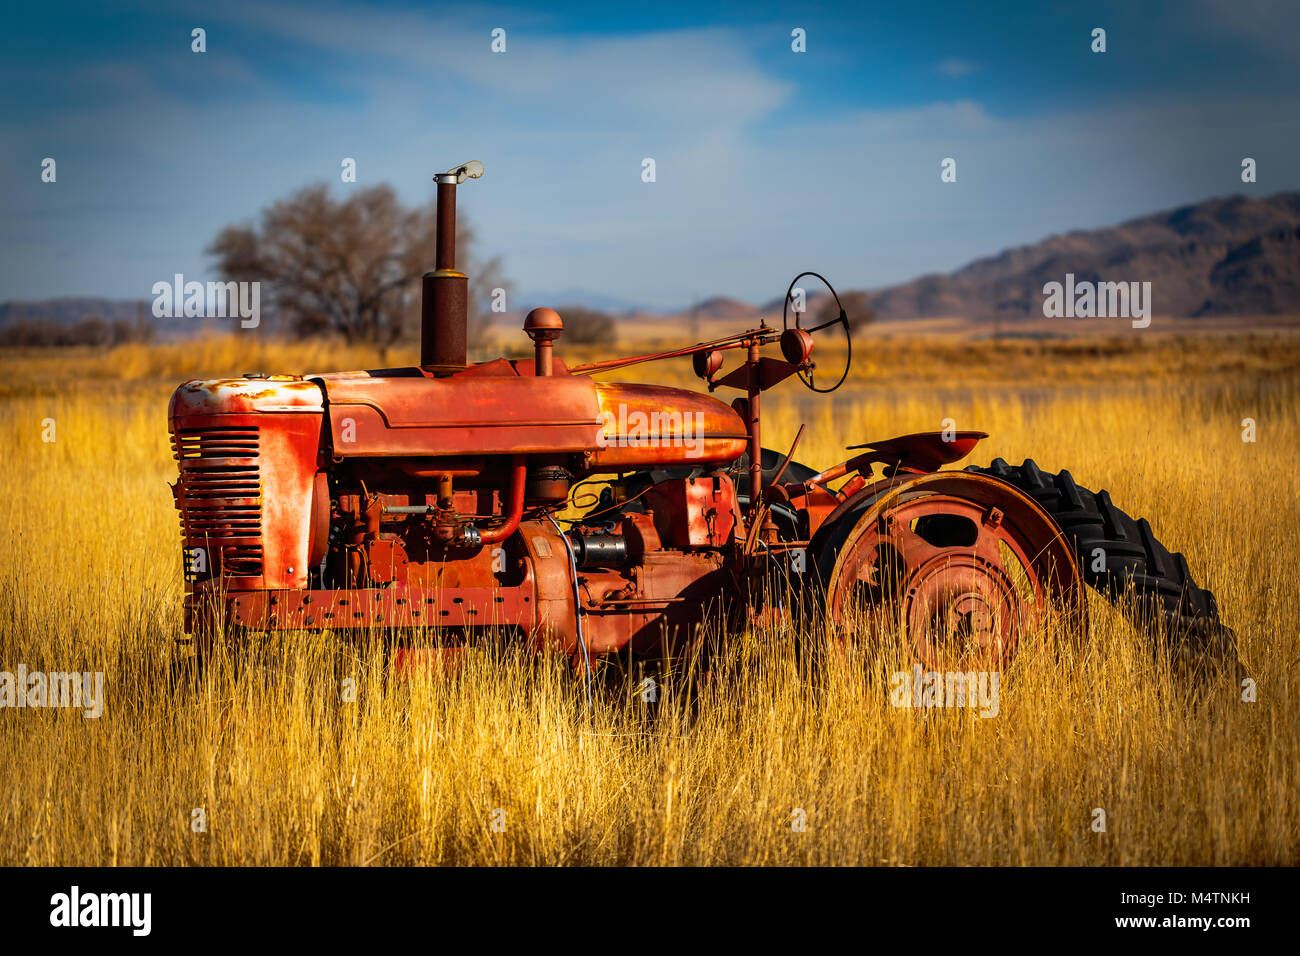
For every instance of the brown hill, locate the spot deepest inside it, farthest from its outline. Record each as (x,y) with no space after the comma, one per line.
(1226,256)
(722,307)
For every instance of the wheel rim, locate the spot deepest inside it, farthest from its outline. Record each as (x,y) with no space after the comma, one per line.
(965,566)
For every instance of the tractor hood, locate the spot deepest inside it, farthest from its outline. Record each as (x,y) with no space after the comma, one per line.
(493,408)
(405,412)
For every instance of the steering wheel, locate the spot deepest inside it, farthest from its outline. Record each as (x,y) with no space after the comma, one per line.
(841,319)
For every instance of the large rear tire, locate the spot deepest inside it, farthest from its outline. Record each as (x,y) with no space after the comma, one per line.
(1121,558)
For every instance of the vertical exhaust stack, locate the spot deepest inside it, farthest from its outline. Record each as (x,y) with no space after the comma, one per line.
(444,293)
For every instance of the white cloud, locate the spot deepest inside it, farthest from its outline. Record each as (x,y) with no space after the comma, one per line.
(665,75)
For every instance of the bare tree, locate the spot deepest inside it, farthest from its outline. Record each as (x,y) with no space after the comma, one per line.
(353,266)
(26,333)
(583,326)
(92,330)
(126,330)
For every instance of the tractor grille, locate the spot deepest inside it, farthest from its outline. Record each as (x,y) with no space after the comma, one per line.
(219,496)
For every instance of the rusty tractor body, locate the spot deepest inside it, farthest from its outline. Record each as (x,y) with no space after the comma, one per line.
(430,497)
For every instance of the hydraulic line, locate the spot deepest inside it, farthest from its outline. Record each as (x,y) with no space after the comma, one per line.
(577,603)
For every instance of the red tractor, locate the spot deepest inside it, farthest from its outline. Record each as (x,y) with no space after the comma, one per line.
(430,497)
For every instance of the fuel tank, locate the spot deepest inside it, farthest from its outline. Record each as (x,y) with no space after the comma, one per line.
(645,425)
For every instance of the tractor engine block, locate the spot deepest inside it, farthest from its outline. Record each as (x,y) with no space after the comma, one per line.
(304,504)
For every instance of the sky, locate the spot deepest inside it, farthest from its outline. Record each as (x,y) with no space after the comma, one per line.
(767,161)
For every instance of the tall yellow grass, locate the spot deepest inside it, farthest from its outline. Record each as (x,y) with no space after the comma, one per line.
(506,764)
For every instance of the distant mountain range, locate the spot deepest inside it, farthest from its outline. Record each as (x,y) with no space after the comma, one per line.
(70,310)
(583,297)
(1227,256)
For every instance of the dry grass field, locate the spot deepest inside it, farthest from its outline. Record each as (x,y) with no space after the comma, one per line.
(505,764)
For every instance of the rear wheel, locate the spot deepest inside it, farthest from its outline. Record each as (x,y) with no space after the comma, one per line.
(1121,558)
(962,568)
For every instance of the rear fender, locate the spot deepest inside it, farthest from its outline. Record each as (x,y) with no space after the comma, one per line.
(905,457)
(921,452)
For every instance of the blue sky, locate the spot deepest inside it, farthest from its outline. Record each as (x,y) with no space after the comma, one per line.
(768,161)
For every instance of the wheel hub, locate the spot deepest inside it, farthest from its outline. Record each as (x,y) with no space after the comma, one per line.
(960,608)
